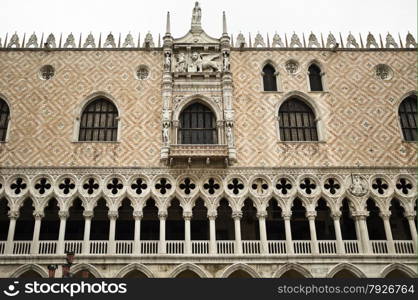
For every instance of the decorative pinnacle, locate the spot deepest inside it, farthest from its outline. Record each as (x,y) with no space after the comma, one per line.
(225,31)
(168,27)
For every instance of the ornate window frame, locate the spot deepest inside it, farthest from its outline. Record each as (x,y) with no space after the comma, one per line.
(214,107)
(397,106)
(9,121)
(82,106)
(323,80)
(277,74)
(317,111)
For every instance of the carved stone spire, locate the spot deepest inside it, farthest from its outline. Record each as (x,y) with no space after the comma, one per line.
(197,17)
(168,27)
(224,29)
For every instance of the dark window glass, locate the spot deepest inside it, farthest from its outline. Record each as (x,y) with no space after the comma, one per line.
(197,125)
(269,78)
(297,121)
(4,119)
(315,78)
(99,121)
(408,117)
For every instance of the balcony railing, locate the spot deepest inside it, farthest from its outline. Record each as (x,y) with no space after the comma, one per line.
(202,247)
(212,151)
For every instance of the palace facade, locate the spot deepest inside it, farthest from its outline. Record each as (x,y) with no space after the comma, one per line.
(208,157)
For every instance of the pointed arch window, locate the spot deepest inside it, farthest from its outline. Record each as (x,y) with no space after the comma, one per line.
(269,78)
(4,119)
(315,78)
(408,118)
(197,125)
(297,121)
(99,121)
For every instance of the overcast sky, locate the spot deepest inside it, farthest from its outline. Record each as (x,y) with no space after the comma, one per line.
(283,16)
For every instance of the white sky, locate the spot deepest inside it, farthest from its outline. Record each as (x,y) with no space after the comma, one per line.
(283,16)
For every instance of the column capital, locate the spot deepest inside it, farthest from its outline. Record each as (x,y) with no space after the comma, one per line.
(287,215)
(311,215)
(237,214)
(385,215)
(63,214)
(410,215)
(162,215)
(187,215)
(360,214)
(137,214)
(336,215)
(262,214)
(13,214)
(38,215)
(113,214)
(212,215)
(88,214)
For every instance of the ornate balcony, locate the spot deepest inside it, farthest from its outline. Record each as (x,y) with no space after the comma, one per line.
(207,153)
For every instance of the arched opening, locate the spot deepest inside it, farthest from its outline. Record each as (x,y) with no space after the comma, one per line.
(125,223)
(348,228)
(197,125)
(297,121)
(274,222)
(299,222)
(249,222)
(408,118)
(200,222)
(293,274)
(240,274)
(269,78)
(395,274)
(398,223)
(324,223)
(4,119)
(100,222)
(175,223)
(25,223)
(99,121)
(150,224)
(375,224)
(187,274)
(135,274)
(4,219)
(74,229)
(344,273)
(315,78)
(224,222)
(50,224)
(83,274)
(30,274)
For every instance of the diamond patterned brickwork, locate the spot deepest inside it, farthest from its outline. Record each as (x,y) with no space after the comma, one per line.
(43,112)
(358,111)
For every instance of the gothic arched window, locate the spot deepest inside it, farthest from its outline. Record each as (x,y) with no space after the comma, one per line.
(408,118)
(197,125)
(297,121)
(269,78)
(99,121)
(315,78)
(4,119)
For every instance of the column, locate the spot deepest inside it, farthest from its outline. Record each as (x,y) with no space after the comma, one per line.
(112,215)
(36,230)
(137,232)
(263,232)
(13,215)
(358,233)
(162,215)
(412,228)
(388,231)
(338,236)
(364,233)
(288,232)
(63,215)
(212,232)
(311,215)
(237,215)
(187,216)
(88,215)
